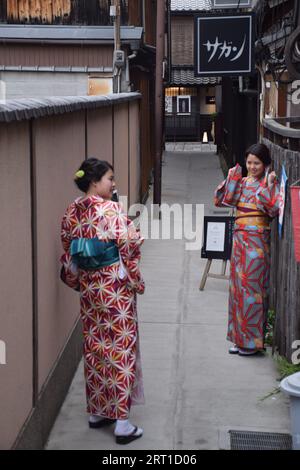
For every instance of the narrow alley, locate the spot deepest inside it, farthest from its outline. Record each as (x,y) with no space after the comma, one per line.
(150,103)
(195,391)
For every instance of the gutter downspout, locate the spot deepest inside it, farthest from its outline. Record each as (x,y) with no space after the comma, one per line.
(117,45)
(262,95)
(160,43)
(119,80)
(169,41)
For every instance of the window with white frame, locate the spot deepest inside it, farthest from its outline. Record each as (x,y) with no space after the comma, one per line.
(183,104)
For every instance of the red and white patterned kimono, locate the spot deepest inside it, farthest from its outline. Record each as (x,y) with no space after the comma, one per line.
(108,306)
(256,204)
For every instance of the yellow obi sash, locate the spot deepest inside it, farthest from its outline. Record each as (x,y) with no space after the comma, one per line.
(247,214)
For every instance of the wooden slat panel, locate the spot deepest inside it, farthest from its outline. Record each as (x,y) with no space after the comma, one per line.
(182,30)
(3,11)
(57,8)
(24,11)
(65,56)
(285,272)
(46,6)
(150,22)
(282,100)
(35,10)
(66,7)
(134,13)
(12,11)
(90,12)
(61,10)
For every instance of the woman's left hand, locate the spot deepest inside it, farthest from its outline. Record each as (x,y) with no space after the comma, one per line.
(271,178)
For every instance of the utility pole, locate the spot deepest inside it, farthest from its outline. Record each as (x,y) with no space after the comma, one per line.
(119,57)
(117,25)
(160,49)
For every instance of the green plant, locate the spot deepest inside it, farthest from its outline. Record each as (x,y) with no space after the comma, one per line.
(284,368)
(270,327)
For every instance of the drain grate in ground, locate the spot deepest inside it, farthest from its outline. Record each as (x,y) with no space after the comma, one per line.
(250,440)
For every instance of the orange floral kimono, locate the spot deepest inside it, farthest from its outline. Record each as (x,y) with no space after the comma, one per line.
(112,364)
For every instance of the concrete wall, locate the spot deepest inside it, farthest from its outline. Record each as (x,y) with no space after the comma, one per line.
(39,314)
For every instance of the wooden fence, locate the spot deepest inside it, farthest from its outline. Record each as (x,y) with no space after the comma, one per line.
(285,272)
(42,144)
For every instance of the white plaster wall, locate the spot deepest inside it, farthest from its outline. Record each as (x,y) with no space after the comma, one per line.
(40,84)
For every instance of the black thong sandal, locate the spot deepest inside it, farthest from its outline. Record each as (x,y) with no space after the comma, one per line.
(102,423)
(129,438)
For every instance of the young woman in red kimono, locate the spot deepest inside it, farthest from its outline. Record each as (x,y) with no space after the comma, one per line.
(256,199)
(101,260)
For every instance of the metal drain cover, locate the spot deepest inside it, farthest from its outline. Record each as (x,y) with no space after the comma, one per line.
(250,440)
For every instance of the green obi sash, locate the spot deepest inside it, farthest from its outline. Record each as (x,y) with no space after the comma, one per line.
(92,253)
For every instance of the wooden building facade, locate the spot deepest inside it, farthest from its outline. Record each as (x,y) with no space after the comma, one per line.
(190,101)
(88,12)
(80,12)
(238,118)
(65,48)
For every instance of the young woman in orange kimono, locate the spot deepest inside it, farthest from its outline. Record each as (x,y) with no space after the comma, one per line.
(101,260)
(256,199)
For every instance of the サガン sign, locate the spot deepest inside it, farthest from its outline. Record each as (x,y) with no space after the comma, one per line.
(224,45)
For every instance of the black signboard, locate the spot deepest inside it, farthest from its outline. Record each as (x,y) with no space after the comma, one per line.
(224,45)
(218,233)
(231,3)
(210,100)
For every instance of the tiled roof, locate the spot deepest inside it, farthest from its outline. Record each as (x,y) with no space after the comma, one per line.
(74,34)
(190,5)
(25,108)
(187,77)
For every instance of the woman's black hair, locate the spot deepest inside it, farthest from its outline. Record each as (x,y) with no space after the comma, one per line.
(261,151)
(93,170)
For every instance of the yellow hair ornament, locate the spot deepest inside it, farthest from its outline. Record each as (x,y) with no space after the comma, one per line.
(79,174)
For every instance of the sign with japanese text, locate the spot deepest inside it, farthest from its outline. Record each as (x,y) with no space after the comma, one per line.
(218,232)
(232,3)
(210,100)
(224,45)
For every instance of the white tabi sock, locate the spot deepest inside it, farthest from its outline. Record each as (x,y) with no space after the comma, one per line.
(95,418)
(125,428)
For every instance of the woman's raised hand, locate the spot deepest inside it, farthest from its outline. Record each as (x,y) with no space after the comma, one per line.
(235,170)
(271,178)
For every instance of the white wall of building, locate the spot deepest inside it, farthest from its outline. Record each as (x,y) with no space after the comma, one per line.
(17,85)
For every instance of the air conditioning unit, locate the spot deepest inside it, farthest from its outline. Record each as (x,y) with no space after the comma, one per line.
(119,59)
